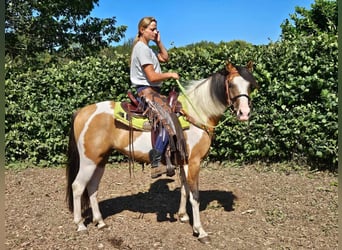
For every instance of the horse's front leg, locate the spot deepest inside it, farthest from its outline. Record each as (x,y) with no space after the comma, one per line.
(197,225)
(183,216)
(189,179)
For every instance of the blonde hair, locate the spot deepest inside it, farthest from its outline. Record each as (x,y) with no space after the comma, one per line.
(144,23)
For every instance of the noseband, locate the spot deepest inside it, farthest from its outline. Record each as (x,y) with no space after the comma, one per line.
(233,100)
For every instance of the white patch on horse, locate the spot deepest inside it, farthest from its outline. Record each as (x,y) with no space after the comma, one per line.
(193,135)
(104,107)
(243,110)
(186,170)
(142,143)
(243,87)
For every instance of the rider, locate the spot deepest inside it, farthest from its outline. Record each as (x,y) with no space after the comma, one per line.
(147,77)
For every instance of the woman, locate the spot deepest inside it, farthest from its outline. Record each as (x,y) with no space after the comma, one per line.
(147,77)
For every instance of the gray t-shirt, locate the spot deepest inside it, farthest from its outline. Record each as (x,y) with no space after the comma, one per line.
(142,55)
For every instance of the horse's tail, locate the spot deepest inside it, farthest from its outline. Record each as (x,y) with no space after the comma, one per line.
(73,165)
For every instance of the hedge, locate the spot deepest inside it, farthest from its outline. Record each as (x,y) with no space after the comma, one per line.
(294,111)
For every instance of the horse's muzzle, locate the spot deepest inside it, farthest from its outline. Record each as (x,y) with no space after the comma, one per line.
(243,114)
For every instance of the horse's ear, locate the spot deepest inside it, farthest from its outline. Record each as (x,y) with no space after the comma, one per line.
(230,67)
(250,66)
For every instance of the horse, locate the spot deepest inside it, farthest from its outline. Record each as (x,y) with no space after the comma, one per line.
(95,133)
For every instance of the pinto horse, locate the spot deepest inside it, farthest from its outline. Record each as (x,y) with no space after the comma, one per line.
(95,133)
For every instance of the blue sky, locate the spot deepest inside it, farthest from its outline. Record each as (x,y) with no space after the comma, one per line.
(183,22)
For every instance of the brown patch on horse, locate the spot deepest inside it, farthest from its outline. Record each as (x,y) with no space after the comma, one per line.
(97,139)
(81,118)
(121,142)
(197,153)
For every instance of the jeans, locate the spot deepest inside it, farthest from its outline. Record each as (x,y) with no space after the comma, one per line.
(162,140)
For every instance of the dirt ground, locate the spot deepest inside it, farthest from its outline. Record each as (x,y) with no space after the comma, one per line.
(251,207)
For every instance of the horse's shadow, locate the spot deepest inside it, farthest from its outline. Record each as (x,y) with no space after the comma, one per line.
(165,203)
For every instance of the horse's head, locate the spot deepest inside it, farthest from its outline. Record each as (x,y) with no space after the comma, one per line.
(239,83)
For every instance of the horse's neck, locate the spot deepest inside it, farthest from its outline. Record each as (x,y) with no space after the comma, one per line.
(203,107)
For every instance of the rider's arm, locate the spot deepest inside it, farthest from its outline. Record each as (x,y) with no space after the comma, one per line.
(154,77)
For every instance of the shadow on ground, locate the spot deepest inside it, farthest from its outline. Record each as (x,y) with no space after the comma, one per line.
(161,200)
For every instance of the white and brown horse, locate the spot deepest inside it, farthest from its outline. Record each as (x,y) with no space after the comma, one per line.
(95,133)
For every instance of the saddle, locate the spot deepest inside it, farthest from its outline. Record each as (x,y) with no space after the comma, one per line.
(133,107)
(137,108)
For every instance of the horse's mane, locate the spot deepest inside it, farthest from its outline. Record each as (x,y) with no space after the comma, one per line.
(208,95)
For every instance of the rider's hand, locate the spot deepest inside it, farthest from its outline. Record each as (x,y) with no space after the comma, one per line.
(157,37)
(174,75)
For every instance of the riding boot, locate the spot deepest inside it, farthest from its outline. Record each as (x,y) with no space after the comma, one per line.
(155,158)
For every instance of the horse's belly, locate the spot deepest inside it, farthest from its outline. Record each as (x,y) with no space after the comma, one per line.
(142,143)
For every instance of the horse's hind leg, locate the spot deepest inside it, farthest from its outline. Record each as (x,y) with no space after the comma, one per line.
(92,188)
(78,187)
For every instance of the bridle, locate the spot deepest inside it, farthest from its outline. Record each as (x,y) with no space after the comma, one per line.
(232,100)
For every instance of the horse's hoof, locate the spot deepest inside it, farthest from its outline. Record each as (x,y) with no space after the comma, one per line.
(184,218)
(101,225)
(170,170)
(205,240)
(82,231)
(82,228)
